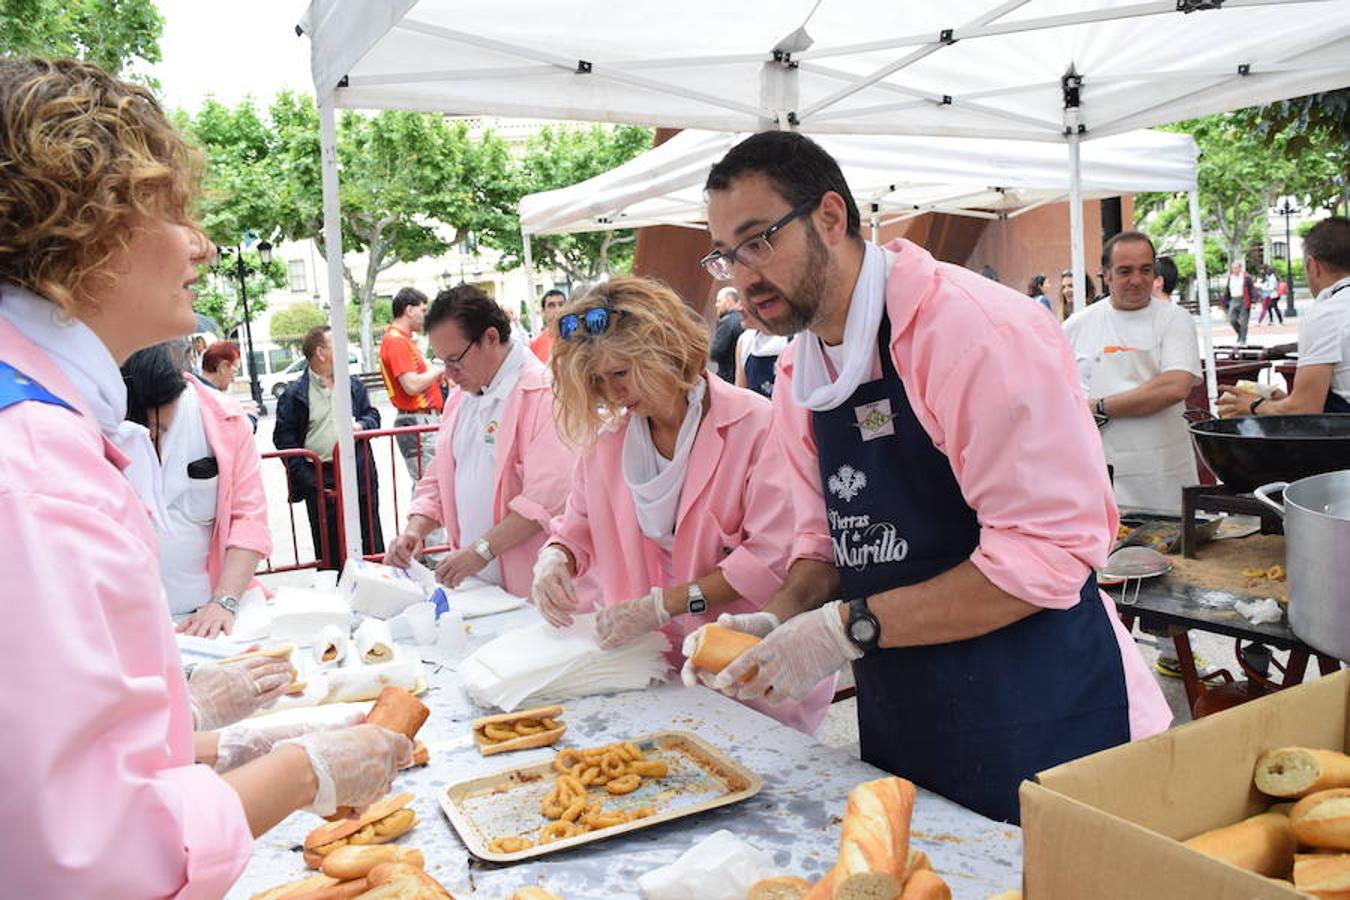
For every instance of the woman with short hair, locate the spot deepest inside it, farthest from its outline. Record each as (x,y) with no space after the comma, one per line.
(674,513)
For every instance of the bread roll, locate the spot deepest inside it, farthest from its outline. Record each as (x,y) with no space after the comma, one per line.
(383,821)
(420,755)
(1264,844)
(344,890)
(542,738)
(718,646)
(533,893)
(1322,819)
(918,861)
(780,887)
(356,861)
(874,840)
(925,884)
(292,888)
(1323,875)
(399,711)
(1299,771)
(395,873)
(374,643)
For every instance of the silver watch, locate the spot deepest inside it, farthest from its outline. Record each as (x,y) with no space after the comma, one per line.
(228,602)
(484,549)
(697,602)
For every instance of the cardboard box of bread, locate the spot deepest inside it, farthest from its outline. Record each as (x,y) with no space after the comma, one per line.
(1251,803)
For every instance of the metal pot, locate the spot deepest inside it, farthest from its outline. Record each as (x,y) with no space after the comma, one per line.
(1316,515)
(1254,450)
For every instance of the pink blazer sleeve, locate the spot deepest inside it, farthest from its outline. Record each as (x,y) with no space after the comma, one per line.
(799,472)
(572,529)
(248,527)
(426,499)
(1016,430)
(755,569)
(545,460)
(98,774)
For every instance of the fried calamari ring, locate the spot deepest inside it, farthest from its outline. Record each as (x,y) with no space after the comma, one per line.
(631,750)
(649,768)
(495,731)
(509,844)
(528,726)
(613,765)
(566,760)
(574,811)
(625,784)
(557,831)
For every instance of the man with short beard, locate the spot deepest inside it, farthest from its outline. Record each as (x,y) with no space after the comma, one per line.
(963,499)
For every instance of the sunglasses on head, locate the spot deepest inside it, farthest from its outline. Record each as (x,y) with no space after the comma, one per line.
(592,322)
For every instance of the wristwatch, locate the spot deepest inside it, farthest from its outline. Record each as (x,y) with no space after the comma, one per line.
(697,602)
(228,602)
(863,628)
(484,549)
(1100,409)
(1255,403)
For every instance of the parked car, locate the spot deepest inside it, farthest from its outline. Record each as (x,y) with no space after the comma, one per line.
(276,383)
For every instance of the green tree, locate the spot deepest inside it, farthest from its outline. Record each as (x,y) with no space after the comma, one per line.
(559,157)
(289,324)
(1240,175)
(218,292)
(114,34)
(411,184)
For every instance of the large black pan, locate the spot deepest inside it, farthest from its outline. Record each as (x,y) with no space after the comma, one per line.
(1245,453)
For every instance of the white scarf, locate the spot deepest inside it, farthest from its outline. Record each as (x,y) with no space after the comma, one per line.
(476,410)
(656,492)
(85,360)
(764,344)
(812,386)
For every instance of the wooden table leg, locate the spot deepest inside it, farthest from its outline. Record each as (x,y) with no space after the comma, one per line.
(1294,668)
(1189,677)
(1126,619)
(1328,664)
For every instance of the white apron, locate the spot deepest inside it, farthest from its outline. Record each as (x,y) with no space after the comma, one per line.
(1151,455)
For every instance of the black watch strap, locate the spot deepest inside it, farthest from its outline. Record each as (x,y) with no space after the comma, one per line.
(863,628)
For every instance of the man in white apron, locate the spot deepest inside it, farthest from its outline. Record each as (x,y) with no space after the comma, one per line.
(1137,361)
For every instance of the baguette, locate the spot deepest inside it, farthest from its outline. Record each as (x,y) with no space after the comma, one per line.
(1263,843)
(280,651)
(781,887)
(1322,819)
(353,861)
(291,889)
(1299,771)
(343,890)
(925,884)
(718,646)
(533,893)
(406,876)
(383,821)
(540,717)
(420,755)
(399,711)
(874,840)
(1326,876)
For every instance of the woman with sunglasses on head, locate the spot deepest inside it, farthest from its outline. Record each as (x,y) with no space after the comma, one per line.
(500,473)
(674,515)
(97,257)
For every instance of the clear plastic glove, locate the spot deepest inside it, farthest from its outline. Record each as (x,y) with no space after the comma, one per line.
(552,592)
(757,623)
(354,766)
(402,549)
(237,746)
(223,694)
(792,659)
(617,625)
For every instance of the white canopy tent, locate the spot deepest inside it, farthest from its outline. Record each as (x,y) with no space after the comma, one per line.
(1050,70)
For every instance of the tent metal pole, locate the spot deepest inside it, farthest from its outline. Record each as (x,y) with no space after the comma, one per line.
(529,270)
(349,535)
(1076,221)
(1202,288)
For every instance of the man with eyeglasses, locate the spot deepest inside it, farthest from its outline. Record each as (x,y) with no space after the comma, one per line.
(963,500)
(500,472)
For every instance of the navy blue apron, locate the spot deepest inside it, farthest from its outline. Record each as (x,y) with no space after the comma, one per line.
(759,374)
(968,719)
(16,387)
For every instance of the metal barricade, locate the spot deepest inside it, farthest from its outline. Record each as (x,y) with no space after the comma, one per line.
(325,497)
(374,458)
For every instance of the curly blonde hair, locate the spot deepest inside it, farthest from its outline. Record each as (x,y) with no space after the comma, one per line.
(84,157)
(655,336)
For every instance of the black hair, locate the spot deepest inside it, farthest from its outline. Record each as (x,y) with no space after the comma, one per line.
(406,297)
(152,380)
(1089,289)
(1166,269)
(1329,242)
(1036,286)
(551,292)
(1123,237)
(795,165)
(473,309)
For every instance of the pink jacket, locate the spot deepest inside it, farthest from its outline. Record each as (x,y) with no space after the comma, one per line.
(735,514)
(101,796)
(992,381)
(241,505)
(531,472)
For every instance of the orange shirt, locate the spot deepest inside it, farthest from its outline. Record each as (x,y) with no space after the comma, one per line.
(398,356)
(543,345)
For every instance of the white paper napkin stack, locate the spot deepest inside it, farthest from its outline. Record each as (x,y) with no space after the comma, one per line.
(539,664)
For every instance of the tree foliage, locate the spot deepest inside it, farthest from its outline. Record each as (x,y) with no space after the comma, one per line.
(1307,120)
(218,292)
(290,323)
(1241,174)
(114,34)
(411,184)
(559,157)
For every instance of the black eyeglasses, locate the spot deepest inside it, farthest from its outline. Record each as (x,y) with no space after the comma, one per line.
(457,359)
(595,321)
(754,251)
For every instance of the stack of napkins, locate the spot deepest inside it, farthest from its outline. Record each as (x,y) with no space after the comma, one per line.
(540,664)
(475,597)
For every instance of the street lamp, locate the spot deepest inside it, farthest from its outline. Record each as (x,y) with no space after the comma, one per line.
(265,254)
(1287,209)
